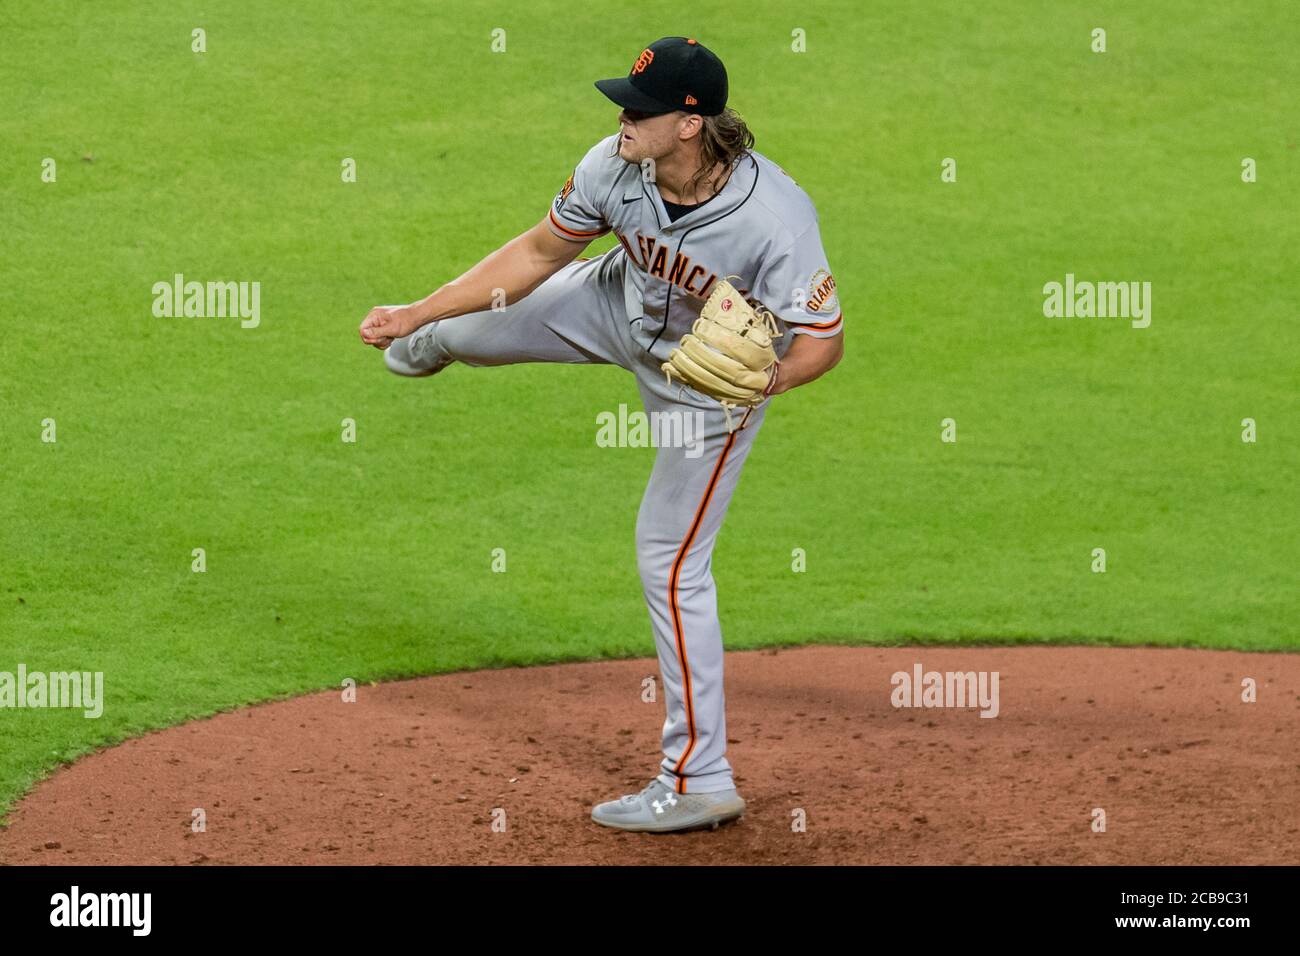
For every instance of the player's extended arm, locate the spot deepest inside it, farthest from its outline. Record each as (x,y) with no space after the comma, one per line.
(808,358)
(513,271)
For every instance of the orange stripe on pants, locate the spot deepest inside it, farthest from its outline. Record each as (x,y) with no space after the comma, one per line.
(675,610)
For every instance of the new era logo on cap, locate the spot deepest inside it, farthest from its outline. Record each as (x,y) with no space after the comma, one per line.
(671,74)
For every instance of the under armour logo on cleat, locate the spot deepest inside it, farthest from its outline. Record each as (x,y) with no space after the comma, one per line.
(670,802)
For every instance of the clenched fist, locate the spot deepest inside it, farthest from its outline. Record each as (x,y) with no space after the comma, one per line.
(384,323)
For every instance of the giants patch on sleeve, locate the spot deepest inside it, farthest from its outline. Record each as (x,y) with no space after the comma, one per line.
(822,300)
(564,193)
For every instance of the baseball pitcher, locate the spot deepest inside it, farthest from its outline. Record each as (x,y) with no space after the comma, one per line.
(717,297)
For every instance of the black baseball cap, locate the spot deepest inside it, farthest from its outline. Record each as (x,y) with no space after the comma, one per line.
(675,73)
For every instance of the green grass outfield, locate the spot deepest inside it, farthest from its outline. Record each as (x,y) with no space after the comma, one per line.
(371,560)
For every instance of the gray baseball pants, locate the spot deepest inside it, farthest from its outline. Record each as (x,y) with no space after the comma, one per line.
(579,316)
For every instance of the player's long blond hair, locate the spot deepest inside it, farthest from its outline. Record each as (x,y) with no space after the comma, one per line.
(723,139)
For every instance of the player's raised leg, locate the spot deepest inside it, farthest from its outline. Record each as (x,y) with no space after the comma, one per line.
(569,318)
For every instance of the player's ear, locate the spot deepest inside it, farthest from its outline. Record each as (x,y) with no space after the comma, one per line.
(690,126)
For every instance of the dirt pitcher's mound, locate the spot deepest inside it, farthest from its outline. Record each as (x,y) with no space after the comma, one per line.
(503,767)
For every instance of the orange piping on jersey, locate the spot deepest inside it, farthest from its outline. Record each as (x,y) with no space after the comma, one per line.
(676,610)
(822,326)
(573,232)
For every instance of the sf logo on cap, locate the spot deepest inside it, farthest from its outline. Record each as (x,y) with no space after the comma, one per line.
(642,61)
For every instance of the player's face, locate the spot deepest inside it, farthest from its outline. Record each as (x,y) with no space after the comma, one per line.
(648,137)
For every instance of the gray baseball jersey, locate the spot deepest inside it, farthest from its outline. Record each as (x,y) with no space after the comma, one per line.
(761,227)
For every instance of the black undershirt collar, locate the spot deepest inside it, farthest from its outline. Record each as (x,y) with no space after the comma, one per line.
(676,210)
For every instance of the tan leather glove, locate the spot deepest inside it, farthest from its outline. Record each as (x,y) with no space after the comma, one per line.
(728,354)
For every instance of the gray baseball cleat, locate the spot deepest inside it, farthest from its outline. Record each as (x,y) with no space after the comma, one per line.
(657,809)
(410,356)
